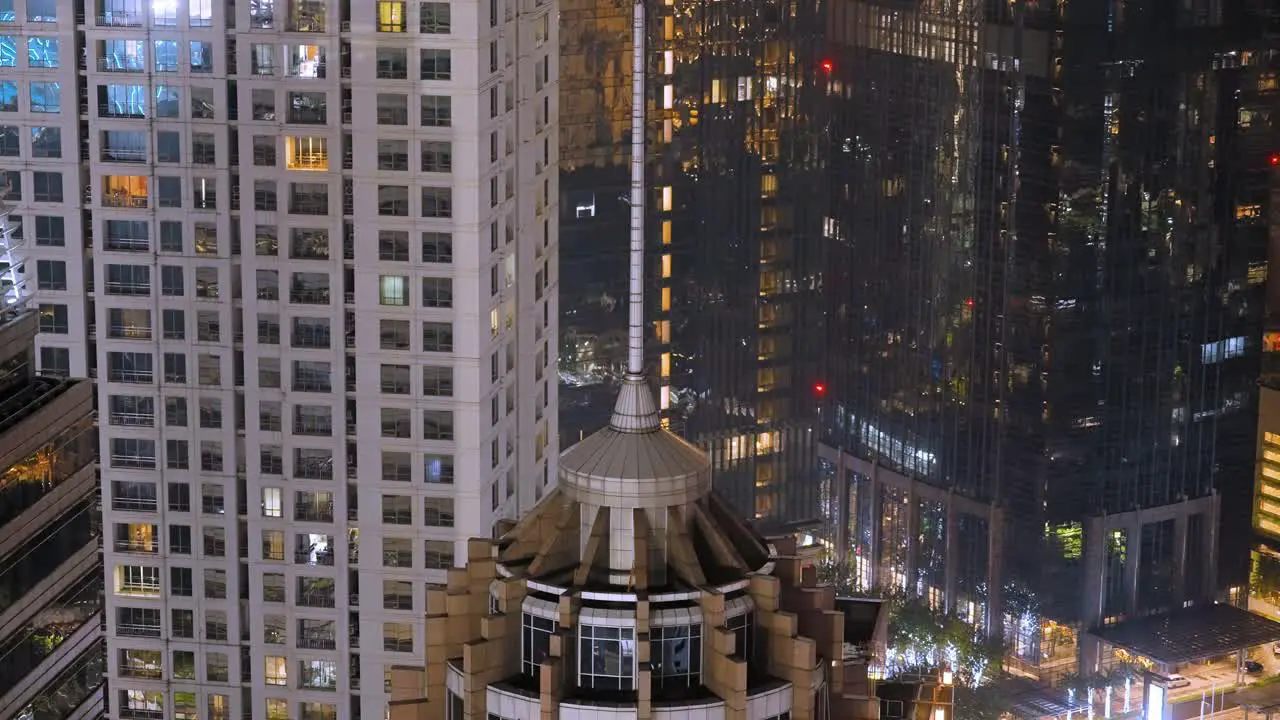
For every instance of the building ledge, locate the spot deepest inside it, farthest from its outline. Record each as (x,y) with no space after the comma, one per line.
(18,330)
(38,412)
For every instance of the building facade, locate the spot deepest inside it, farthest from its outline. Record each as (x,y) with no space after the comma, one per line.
(318,241)
(52,656)
(1055,374)
(734,219)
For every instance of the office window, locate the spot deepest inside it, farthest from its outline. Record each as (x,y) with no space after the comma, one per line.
(437,337)
(437,111)
(8,94)
(437,64)
(392,109)
(50,231)
(51,275)
(392,154)
(437,512)
(434,18)
(46,97)
(392,63)
(437,202)
(54,319)
(437,156)
(9,141)
(46,142)
(47,186)
(437,247)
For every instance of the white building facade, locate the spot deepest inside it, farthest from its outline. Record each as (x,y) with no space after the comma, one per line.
(319,249)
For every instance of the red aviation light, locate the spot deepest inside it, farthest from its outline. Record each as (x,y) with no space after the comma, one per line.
(1274,159)
(827,66)
(819,389)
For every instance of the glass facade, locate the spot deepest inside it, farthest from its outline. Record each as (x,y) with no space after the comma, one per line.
(1045,262)
(733,226)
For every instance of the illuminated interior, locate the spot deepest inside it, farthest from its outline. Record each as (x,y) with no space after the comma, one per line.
(125,191)
(307,153)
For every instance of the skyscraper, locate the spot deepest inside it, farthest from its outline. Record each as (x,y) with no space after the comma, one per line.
(1045,327)
(319,249)
(734,223)
(51,650)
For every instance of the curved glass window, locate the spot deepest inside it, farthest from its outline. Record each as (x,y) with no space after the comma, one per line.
(675,654)
(607,658)
(535,642)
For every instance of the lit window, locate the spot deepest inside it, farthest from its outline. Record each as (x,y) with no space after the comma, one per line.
(271,503)
(276,671)
(390,16)
(666,266)
(137,580)
(393,290)
(307,153)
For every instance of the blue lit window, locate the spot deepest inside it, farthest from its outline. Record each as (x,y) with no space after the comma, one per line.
(8,51)
(166,56)
(46,97)
(123,101)
(201,56)
(122,56)
(8,96)
(42,52)
(6,12)
(1216,352)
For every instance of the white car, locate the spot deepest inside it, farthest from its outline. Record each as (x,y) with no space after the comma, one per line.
(1176,681)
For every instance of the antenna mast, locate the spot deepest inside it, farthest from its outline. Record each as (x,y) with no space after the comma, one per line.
(635,339)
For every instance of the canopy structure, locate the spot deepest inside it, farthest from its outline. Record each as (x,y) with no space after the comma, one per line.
(1027,700)
(1191,634)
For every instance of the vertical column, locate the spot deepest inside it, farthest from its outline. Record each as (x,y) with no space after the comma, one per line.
(1180,589)
(995,573)
(952,552)
(1132,561)
(877,512)
(840,486)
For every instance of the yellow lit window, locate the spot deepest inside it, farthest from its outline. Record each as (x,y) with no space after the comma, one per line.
(275,670)
(124,191)
(662,329)
(666,199)
(494,322)
(1267,82)
(665,365)
(141,538)
(764,379)
(768,185)
(277,709)
(307,153)
(666,266)
(666,299)
(390,16)
(666,232)
(1248,212)
(668,97)
(137,580)
(717,93)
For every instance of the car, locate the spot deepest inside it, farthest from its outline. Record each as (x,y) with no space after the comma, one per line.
(1176,681)
(1251,666)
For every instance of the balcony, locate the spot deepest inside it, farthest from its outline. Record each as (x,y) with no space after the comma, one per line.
(321,513)
(309,296)
(36,412)
(313,557)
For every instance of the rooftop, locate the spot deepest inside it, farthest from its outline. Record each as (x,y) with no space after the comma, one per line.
(1191,634)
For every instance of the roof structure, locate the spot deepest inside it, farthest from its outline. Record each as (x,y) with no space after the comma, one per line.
(1190,634)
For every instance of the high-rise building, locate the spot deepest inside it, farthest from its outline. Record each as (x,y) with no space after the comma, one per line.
(632,590)
(308,248)
(51,650)
(735,217)
(1045,303)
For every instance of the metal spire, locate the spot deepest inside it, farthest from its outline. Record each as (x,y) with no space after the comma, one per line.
(635,410)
